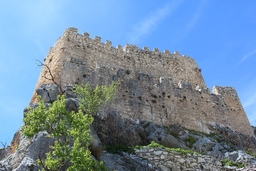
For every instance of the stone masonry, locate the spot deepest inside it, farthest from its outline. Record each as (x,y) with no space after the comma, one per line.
(156,86)
(171,160)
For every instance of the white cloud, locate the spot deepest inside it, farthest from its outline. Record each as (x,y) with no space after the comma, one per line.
(150,23)
(247,55)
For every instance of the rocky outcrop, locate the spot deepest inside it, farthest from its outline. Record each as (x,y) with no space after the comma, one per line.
(4,152)
(126,162)
(110,128)
(240,157)
(236,139)
(48,92)
(27,152)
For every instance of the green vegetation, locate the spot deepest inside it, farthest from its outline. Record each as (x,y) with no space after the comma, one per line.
(190,140)
(251,152)
(226,162)
(70,130)
(117,148)
(156,145)
(175,134)
(147,124)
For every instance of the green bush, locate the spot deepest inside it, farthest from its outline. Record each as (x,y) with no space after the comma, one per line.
(190,140)
(70,130)
(226,162)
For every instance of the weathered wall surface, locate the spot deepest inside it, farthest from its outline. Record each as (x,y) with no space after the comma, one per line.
(160,87)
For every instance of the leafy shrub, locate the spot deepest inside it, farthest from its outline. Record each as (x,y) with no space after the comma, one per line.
(190,140)
(226,162)
(69,129)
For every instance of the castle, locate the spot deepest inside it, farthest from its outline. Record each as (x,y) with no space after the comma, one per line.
(156,86)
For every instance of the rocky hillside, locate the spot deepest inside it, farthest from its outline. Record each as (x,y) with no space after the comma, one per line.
(125,145)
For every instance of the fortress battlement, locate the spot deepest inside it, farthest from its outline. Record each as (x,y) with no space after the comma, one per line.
(94,52)
(72,35)
(156,86)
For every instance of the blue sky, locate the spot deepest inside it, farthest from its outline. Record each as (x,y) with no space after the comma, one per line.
(219,35)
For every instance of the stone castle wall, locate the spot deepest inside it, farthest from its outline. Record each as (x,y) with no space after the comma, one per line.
(160,87)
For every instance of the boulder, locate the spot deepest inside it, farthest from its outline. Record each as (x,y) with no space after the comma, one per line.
(113,129)
(204,144)
(68,91)
(126,162)
(158,134)
(48,92)
(96,146)
(27,153)
(3,152)
(240,157)
(40,145)
(72,104)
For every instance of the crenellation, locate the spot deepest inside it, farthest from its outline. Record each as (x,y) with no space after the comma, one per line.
(156,86)
(176,53)
(97,39)
(108,45)
(119,50)
(130,48)
(167,52)
(156,50)
(145,48)
(86,36)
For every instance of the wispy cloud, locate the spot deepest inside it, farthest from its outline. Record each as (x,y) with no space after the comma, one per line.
(40,46)
(192,21)
(247,55)
(148,24)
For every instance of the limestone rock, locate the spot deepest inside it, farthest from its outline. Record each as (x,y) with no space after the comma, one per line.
(126,162)
(240,157)
(236,139)
(72,104)
(68,91)
(27,164)
(27,152)
(4,152)
(204,144)
(158,134)
(112,129)
(48,92)
(96,147)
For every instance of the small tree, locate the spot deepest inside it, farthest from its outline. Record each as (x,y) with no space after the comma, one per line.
(69,129)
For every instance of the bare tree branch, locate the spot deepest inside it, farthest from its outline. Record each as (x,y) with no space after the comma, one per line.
(51,75)
(3,144)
